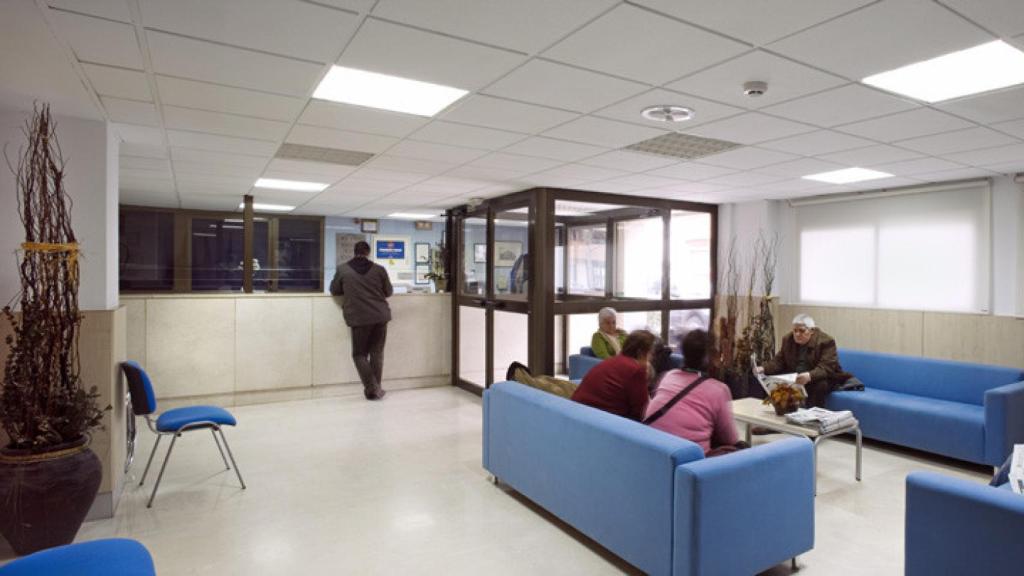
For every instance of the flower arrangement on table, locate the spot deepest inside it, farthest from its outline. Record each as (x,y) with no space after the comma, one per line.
(785,398)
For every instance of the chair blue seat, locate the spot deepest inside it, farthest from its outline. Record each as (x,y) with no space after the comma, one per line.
(113,557)
(172,420)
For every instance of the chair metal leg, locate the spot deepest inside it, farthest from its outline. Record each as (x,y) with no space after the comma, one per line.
(792,564)
(162,468)
(232,456)
(151,454)
(222,457)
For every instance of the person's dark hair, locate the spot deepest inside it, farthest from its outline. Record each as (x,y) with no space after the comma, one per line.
(638,344)
(362,248)
(695,349)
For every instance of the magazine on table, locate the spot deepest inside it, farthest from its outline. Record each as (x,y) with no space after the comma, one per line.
(1017,469)
(769,383)
(824,420)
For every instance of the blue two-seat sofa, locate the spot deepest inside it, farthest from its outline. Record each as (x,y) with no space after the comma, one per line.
(580,364)
(650,497)
(973,412)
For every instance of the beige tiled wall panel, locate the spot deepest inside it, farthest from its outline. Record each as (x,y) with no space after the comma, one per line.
(892,331)
(190,345)
(419,337)
(273,343)
(136,325)
(332,344)
(975,338)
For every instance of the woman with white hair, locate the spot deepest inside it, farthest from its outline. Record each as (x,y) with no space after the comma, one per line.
(811,354)
(608,339)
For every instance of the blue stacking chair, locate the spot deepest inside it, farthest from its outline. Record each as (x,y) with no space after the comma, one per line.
(111,557)
(175,422)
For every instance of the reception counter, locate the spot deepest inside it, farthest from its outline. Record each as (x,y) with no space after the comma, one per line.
(246,348)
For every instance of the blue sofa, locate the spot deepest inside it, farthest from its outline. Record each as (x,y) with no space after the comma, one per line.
(973,412)
(954,526)
(650,497)
(580,364)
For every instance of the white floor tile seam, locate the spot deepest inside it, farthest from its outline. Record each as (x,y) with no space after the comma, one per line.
(351,486)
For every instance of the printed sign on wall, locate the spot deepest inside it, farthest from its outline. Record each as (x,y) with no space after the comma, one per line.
(390,249)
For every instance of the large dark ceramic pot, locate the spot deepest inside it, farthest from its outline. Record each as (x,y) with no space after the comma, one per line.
(44,497)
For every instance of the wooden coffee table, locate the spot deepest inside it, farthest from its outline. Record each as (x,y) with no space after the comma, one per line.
(752,412)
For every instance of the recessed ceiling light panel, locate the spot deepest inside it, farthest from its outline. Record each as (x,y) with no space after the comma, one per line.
(979,69)
(848,175)
(297,185)
(411,216)
(268,207)
(385,92)
(667,113)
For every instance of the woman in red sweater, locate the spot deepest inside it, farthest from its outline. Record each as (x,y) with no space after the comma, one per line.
(619,384)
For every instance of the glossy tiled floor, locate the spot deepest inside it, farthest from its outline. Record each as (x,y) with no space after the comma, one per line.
(344,486)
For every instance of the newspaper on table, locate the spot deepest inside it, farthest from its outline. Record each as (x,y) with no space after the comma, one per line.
(1017,469)
(825,421)
(769,383)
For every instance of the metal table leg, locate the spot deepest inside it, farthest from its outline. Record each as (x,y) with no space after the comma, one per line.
(858,452)
(815,461)
(747,436)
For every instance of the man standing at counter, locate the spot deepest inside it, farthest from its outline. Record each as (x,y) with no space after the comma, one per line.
(366,288)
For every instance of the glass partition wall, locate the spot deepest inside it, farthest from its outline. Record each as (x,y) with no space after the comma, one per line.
(535,267)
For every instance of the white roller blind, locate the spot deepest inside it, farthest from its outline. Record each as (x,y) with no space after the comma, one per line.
(927,250)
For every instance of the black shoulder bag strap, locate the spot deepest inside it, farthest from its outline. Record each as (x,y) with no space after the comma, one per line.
(668,405)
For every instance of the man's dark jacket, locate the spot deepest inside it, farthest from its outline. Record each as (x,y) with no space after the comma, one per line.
(821,357)
(366,287)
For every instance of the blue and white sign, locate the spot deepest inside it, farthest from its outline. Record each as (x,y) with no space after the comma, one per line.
(390,250)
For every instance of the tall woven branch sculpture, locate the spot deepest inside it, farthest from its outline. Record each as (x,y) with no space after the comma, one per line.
(43,402)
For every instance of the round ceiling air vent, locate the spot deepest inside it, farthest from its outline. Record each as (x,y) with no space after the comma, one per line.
(667,113)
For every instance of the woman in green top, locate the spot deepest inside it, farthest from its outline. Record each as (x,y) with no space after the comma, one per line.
(608,339)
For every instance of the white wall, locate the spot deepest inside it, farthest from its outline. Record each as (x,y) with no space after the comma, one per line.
(1007,216)
(744,223)
(91,162)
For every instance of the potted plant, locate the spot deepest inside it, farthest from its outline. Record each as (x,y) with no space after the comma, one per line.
(785,399)
(48,475)
(439,267)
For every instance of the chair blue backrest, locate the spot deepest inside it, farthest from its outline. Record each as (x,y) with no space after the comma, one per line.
(140,387)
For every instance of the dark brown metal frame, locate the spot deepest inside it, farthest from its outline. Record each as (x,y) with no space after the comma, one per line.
(183,245)
(542,305)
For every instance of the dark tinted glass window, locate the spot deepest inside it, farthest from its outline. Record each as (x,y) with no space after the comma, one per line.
(146,251)
(299,260)
(217,251)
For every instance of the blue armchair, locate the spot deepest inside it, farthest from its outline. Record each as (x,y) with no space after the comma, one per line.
(113,557)
(175,422)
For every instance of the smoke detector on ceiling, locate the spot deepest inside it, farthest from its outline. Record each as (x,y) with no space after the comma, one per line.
(755,88)
(667,113)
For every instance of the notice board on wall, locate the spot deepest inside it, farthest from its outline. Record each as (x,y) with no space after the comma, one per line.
(345,247)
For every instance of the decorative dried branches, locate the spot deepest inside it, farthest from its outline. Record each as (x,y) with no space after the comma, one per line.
(43,403)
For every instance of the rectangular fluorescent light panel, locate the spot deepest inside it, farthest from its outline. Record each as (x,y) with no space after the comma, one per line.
(385,92)
(848,175)
(411,216)
(297,185)
(268,207)
(979,69)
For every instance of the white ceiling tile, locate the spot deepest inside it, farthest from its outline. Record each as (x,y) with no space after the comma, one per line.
(118,82)
(217,98)
(759,21)
(143,163)
(691,171)
(525,25)
(1003,17)
(146,150)
(449,185)
(989,107)
(916,166)
(297,29)
(153,199)
(224,124)
(1015,127)
(788,186)
(109,9)
(544,180)
(199,60)
(613,187)
(881,37)
(404,164)
(581,173)
(215,201)
(785,78)
(435,152)
(396,176)
(217,143)
(514,162)
(216,180)
(747,158)
(704,110)
(248,172)
(904,125)
(135,174)
(100,41)
(131,133)
(820,142)
(217,159)
(640,181)
(359,119)
(1010,168)
(343,139)
(551,84)
(878,154)
(318,169)
(749,128)
(601,132)
(402,51)
(745,179)
(840,106)
(958,141)
(131,111)
(956,174)
(801,167)
(466,135)
(474,172)
(989,156)
(493,112)
(629,161)
(554,149)
(693,188)
(646,47)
